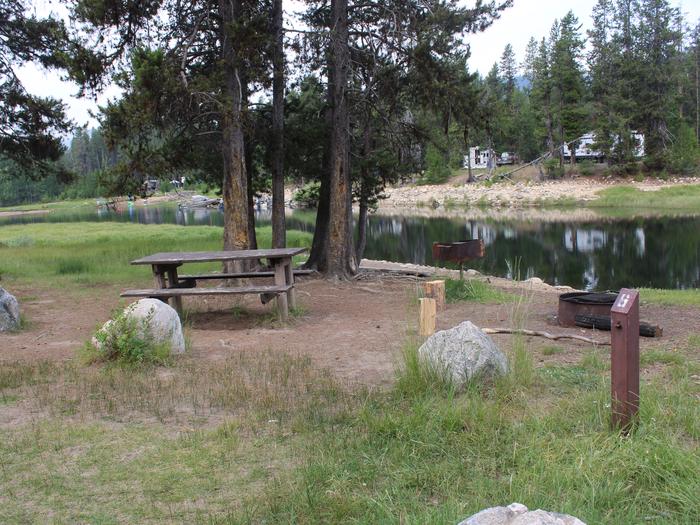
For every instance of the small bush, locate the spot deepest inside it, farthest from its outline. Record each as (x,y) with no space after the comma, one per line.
(308,195)
(552,169)
(586,168)
(684,157)
(437,170)
(127,340)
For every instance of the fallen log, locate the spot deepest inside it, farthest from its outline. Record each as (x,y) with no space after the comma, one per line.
(547,335)
(602,322)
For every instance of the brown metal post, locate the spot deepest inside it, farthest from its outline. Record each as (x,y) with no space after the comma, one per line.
(624,369)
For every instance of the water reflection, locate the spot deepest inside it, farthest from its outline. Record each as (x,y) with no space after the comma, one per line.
(592,254)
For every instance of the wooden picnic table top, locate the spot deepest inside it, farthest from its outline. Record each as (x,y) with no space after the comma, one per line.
(166,258)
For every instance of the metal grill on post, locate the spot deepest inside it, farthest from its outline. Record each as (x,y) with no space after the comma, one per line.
(624,369)
(459,252)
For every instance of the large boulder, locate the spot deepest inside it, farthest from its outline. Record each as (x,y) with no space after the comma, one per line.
(9,312)
(160,319)
(518,514)
(464,352)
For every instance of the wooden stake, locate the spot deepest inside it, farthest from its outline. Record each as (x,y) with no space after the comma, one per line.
(428,309)
(624,360)
(435,290)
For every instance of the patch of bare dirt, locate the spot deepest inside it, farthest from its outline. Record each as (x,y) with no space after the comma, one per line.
(355,329)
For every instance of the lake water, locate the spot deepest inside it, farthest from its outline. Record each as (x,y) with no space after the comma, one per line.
(592,253)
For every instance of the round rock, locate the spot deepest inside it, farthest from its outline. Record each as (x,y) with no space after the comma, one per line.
(518,514)
(464,352)
(9,312)
(163,323)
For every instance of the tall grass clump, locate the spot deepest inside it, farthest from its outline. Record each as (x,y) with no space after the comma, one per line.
(416,377)
(457,290)
(129,340)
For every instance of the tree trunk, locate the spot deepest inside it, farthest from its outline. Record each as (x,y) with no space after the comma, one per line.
(320,240)
(279,232)
(248,136)
(252,237)
(338,258)
(364,191)
(235,186)
(469,157)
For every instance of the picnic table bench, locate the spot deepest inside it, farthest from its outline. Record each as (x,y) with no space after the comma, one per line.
(171,287)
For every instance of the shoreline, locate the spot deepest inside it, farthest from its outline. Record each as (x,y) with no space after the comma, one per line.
(519,195)
(19,213)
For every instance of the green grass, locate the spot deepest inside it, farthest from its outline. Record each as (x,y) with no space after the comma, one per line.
(267,438)
(59,205)
(474,290)
(686,197)
(60,254)
(552,350)
(689,297)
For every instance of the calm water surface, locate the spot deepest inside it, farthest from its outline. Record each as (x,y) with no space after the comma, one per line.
(600,254)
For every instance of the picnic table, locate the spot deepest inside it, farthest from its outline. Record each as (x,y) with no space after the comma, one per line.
(169,286)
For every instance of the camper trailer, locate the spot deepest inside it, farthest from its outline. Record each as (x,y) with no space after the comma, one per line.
(585,149)
(480,158)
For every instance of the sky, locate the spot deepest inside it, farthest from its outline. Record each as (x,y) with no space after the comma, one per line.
(525,19)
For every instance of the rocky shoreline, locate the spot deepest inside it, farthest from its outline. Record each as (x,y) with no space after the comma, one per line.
(508,194)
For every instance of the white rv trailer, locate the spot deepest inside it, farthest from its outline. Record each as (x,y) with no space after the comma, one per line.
(480,158)
(585,149)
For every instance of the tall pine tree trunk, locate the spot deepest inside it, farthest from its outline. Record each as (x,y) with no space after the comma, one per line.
(320,240)
(235,186)
(364,191)
(278,221)
(470,178)
(337,255)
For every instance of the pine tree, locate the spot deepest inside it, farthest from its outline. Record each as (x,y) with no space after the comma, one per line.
(30,126)
(508,70)
(657,42)
(568,81)
(528,65)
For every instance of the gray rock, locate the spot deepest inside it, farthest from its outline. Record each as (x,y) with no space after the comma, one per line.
(518,514)
(9,312)
(163,323)
(464,352)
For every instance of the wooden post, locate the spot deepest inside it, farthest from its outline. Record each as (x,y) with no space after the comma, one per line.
(435,290)
(289,275)
(160,279)
(426,319)
(281,280)
(173,281)
(624,367)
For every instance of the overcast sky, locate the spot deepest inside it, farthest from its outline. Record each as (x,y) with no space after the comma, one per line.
(525,19)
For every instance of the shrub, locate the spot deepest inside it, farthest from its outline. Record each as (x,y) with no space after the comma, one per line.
(127,340)
(437,171)
(684,157)
(586,168)
(552,169)
(308,195)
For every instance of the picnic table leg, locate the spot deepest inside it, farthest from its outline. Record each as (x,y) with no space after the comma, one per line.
(172,282)
(281,280)
(159,278)
(291,294)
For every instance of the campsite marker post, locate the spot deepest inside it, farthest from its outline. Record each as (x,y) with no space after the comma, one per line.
(624,368)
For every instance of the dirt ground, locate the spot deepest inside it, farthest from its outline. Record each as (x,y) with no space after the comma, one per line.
(356,329)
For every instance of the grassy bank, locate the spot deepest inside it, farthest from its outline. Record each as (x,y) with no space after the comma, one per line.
(685,197)
(690,297)
(58,205)
(270,439)
(57,254)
